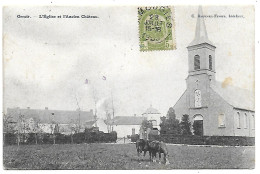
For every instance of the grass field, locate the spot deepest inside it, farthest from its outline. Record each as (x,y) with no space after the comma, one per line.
(123,156)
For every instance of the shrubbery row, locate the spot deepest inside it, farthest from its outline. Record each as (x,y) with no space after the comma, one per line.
(45,138)
(201,140)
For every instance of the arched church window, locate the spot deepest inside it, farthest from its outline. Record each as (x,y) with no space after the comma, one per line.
(238,120)
(253,121)
(210,62)
(196,62)
(245,126)
(197,98)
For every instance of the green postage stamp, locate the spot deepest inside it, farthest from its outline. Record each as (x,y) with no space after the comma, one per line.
(156,28)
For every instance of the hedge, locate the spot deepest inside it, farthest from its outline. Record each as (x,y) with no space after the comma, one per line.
(201,140)
(45,138)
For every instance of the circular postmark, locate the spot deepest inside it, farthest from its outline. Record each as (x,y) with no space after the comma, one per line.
(155,28)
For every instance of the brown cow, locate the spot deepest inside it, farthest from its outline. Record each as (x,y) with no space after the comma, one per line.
(141,145)
(158,147)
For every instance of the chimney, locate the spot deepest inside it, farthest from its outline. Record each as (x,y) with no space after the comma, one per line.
(46,108)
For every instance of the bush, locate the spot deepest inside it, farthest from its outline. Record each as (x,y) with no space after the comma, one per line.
(171,124)
(134,138)
(10,139)
(185,125)
(208,140)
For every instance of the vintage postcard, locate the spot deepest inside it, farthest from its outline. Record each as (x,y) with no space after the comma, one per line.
(128,87)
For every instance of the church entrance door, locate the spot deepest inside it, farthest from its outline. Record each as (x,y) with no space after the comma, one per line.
(198,125)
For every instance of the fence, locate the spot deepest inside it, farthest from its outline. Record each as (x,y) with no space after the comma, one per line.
(45,138)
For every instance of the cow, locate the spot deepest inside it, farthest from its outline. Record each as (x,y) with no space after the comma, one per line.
(158,147)
(141,145)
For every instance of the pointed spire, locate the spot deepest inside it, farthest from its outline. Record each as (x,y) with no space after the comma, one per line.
(201,32)
(201,35)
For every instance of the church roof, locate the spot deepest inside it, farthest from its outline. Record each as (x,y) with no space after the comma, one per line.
(237,97)
(201,35)
(48,116)
(151,110)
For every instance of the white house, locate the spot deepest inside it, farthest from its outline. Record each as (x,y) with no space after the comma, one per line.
(126,125)
(153,115)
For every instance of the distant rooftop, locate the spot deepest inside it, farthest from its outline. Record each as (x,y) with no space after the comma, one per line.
(48,116)
(151,110)
(126,120)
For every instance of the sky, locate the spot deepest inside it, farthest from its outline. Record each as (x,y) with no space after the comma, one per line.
(46,61)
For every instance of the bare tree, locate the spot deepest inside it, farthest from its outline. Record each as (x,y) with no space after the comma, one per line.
(95,101)
(73,129)
(113,111)
(55,132)
(8,125)
(34,128)
(107,108)
(22,129)
(79,113)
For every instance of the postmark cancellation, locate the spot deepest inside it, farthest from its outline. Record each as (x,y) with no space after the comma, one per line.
(156,28)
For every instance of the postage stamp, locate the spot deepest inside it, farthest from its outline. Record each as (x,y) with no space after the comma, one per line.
(156,28)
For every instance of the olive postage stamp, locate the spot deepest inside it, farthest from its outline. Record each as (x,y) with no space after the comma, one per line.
(156,28)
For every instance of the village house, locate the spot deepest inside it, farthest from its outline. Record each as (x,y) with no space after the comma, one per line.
(217,108)
(126,125)
(154,116)
(130,125)
(46,119)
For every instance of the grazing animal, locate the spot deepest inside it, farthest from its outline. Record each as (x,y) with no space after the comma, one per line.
(158,147)
(141,145)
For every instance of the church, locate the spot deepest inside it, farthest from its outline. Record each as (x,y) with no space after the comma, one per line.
(217,109)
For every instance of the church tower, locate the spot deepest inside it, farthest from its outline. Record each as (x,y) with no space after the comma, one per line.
(201,60)
(212,109)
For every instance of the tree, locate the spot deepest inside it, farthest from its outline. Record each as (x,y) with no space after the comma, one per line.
(170,125)
(146,124)
(22,129)
(143,132)
(73,129)
(107,108)
(171,114)
(9,125)
(34,128)
(185,125)
(55,132)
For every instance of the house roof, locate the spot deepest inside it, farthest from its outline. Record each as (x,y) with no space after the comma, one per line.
(126,120)
(151,110)
(237,97)
(48,116)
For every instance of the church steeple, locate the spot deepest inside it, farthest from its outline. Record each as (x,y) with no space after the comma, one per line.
(201,35)
(201,59)
(201,51)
